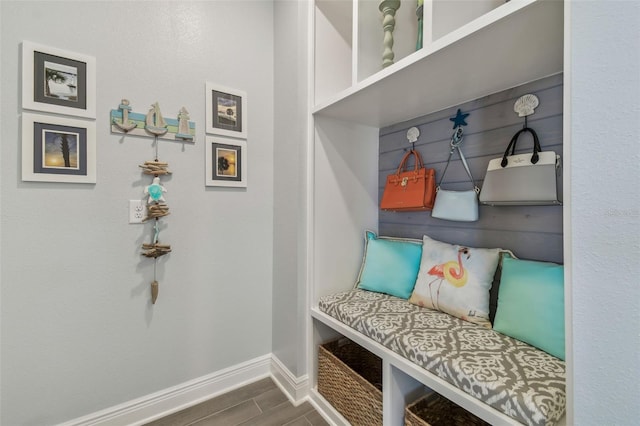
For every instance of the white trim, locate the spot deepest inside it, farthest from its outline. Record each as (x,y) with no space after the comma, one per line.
(567,214)
(295,388)
(325,409)
(154,406)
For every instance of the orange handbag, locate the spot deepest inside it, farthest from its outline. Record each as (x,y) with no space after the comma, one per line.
(411,190)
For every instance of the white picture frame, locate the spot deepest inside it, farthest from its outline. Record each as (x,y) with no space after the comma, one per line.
(58,81)
(226,162)
(58,149)
(226,111)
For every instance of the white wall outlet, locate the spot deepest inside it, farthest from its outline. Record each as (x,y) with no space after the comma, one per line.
(137,211)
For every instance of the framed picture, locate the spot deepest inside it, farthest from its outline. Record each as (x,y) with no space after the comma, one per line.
(58,149)
(226,111)
(226,162)
(58,81)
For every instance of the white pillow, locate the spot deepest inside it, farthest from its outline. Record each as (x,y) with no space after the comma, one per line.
(456,280)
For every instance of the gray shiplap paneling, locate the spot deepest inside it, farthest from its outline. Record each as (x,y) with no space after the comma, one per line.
(531,232)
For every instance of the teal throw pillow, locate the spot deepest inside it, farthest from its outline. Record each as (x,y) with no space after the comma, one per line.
(531,304)
(390,265)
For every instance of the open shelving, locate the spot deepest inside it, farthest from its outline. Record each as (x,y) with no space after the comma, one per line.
(514,43)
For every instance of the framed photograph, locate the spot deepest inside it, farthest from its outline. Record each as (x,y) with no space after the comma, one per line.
(226,162)
(58,81)
(58,149)
(226,111)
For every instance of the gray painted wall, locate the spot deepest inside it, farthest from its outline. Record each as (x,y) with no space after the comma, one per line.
(78,331)
(289,217)
(531,232)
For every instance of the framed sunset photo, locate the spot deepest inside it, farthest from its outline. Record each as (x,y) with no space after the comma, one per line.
(226,162)
(58,149)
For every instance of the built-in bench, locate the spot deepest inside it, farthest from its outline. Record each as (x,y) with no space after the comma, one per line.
(516,379)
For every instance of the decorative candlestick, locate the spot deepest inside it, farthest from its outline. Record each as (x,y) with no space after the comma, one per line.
(388,9)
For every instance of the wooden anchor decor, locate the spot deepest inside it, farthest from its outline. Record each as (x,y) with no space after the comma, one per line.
(152,124)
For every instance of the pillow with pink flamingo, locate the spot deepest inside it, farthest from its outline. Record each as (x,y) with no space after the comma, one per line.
(456,279)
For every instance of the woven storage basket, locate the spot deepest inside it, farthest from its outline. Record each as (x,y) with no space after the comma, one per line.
(436,410)
(350,378)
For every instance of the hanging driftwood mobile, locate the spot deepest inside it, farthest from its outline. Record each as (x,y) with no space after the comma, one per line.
(157,208)
(153,124)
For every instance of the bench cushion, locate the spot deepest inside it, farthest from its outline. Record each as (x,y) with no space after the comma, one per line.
(513,377)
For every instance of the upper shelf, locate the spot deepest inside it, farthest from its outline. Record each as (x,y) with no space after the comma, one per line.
(515,43)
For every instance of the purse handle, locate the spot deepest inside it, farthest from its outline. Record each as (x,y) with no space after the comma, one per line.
(418,163)
(456,141)
(512,145)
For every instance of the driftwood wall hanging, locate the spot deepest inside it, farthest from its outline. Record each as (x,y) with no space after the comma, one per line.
(154,125)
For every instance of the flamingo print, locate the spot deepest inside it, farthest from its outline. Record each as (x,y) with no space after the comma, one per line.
(452,271)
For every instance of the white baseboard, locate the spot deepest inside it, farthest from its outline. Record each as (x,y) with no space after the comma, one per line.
(296,388)
(326,410)
(154,406)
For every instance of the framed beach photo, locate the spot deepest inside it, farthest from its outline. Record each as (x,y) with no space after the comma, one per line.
(58,149)
(226,162)
(58,81)
(226,111)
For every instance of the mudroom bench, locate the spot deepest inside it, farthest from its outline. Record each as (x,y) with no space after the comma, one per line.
(498,378)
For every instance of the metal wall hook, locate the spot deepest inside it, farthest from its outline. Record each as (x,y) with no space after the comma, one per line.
(412,136)
(525,106)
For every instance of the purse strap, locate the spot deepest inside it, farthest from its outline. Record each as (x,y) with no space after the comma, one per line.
(512,146)
(418,162)
(456,141)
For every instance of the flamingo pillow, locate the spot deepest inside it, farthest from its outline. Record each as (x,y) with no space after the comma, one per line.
(456,280)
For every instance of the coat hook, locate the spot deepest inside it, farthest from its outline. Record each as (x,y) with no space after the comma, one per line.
(525,106)
(412,136)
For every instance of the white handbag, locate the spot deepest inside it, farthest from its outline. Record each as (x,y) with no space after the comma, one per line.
(522,179)
(461,206)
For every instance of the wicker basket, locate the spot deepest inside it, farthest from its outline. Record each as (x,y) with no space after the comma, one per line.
(436,410)
(350,378)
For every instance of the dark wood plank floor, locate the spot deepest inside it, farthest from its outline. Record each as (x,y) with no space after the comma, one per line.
(258,404)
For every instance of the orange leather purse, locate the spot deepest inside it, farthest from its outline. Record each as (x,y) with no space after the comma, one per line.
(410,190)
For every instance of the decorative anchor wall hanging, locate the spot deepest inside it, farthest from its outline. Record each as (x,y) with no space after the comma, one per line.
(153,124)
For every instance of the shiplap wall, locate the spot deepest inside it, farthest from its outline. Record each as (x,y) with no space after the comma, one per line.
(531,232)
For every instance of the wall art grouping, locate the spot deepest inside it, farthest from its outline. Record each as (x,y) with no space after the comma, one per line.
(55,147)
(59,136)
(226,153)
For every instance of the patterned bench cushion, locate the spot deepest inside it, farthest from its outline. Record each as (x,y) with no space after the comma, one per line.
(519,380)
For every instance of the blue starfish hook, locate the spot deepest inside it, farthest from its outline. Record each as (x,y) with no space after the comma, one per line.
(458,120)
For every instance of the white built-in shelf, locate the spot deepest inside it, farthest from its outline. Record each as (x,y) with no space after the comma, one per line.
(514,43)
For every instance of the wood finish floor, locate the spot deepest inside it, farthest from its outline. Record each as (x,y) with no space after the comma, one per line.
(260,403)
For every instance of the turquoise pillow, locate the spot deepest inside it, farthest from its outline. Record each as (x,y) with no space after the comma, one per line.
(390,265)
(531,304)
